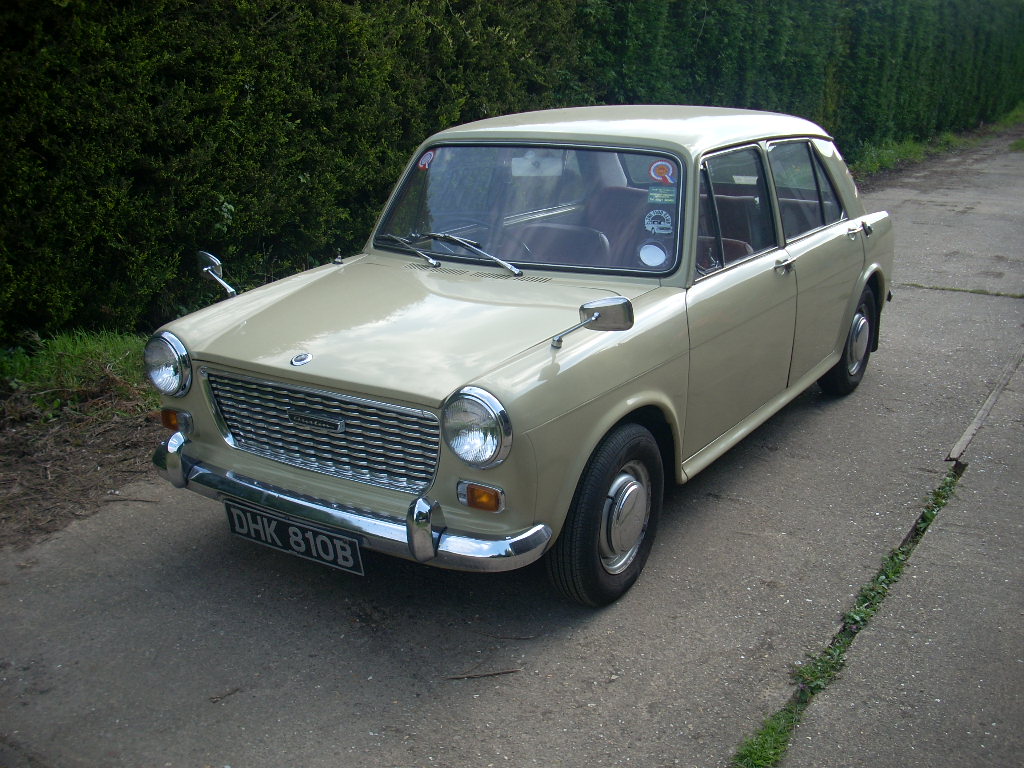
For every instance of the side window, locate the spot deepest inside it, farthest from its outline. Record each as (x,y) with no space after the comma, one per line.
(734,218)
(830,204)
(807,199)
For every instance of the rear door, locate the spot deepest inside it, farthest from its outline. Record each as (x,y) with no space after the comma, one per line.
(825,248)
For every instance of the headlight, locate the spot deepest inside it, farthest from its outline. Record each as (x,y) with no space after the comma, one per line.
(167,364)
(477,428)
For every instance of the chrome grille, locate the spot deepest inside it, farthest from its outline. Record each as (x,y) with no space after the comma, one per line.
(361,440)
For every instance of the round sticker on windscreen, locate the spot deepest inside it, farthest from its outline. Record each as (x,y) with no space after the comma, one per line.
(662,170)
(653,255)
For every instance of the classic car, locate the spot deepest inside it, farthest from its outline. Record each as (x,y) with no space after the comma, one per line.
(557,313)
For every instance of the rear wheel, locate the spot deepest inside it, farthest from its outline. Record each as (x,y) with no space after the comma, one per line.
(845,375)
(612,521)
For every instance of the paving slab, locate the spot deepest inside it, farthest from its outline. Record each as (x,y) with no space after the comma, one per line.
(937,678)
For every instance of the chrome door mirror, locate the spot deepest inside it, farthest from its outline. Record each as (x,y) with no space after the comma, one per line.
(614,313)
(210,266)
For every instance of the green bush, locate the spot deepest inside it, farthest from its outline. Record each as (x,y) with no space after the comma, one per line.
(270,131)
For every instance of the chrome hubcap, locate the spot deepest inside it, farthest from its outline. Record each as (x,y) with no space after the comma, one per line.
(857,344)
(624,520)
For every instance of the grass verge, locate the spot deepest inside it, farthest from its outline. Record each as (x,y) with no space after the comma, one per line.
(768,746)
(43,378)
(874,158)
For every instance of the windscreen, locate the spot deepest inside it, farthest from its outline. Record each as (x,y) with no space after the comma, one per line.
(609,210)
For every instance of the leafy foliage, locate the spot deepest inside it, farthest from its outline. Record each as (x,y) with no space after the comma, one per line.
(270,131)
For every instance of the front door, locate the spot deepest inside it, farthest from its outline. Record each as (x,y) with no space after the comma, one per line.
(741,310)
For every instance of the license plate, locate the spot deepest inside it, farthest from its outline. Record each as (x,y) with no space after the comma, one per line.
(318,544)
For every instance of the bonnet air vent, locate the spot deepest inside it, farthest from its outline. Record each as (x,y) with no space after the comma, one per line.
(521,279)
(436,270)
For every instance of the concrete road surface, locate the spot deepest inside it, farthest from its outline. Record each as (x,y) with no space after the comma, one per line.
(146,635)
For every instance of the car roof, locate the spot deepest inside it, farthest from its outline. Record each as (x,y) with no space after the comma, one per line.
(687,129)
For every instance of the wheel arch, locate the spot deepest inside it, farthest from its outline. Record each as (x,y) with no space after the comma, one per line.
(654,420)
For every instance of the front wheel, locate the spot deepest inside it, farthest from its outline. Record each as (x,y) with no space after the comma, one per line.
(845,375)
(611,524)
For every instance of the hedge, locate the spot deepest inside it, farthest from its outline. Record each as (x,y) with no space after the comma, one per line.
(270,131)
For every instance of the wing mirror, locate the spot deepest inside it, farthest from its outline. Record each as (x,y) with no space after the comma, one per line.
(210,266)
(614,313)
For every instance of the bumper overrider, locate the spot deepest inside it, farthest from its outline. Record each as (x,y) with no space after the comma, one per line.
(418,537)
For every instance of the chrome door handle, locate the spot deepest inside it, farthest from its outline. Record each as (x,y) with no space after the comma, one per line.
(783,266)
(861,226)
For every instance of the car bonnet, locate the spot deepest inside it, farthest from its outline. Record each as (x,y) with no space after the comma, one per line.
(388,327)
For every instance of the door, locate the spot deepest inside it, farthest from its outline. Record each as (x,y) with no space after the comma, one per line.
(741,310)
(825,248)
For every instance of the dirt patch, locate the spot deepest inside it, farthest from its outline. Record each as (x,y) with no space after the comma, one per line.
(53,473)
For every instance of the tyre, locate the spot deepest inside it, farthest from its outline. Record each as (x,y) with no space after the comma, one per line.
(612,521)
(845,375)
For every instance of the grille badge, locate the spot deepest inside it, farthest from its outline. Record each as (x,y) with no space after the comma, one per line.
(317,421)
(301,359)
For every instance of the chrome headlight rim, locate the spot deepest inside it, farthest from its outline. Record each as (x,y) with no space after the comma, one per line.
(497,414)
(179,359)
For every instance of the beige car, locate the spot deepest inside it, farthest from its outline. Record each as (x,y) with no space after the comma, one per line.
(557,313)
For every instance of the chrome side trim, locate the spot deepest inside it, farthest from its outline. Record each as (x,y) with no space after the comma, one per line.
(405,538)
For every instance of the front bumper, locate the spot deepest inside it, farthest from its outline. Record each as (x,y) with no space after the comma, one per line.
(418,537)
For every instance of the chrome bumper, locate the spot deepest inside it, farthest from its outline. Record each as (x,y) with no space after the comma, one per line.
(418,537)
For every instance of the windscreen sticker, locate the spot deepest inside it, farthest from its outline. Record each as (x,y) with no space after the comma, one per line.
(663,171)
(661,195)
(658,222)
(425,161)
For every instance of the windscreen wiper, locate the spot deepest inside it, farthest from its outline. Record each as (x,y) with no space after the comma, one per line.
(473,247)
(407,246)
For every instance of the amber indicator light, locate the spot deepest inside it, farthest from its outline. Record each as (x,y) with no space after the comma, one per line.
(479,497)
(169,419)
